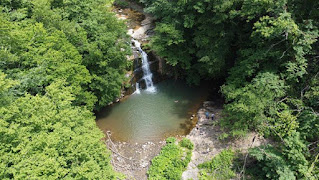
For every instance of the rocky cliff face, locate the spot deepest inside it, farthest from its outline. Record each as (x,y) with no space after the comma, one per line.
(141,28)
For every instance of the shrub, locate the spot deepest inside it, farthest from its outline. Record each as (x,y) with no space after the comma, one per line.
(171,162)
(220,167)
(186,143)
(170,140)
(121,3)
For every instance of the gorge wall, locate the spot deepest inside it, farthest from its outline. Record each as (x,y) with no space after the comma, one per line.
(141,28)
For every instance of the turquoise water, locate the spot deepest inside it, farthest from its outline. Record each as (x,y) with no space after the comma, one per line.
(153,116)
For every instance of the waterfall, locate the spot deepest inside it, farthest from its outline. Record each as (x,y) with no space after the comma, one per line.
(146,70)
(137,89)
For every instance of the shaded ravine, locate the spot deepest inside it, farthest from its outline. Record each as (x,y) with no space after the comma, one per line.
(133,158)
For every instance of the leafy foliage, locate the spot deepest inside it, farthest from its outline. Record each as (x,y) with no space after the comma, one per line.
(286,162)
(81,39)
(47,137)
(220,167)
(172,160)
(6,94)
(252,103)
(272,164)
(267,52)
(59,60)
(121,3)
(186,143)
(41,58)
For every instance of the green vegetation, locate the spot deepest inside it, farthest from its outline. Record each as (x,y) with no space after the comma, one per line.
(267,53)
(289,161)
(80,42)
(186,143)
(220,167)
(172,160)
(59,60)
(45,137)
(121,3)
(62,59)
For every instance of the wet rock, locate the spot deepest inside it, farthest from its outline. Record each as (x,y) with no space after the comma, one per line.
(144,164)
(208,104)
(145,31)
(130,32)
(127,75)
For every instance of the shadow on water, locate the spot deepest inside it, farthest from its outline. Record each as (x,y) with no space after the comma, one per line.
(185,96)
(146,117)
(104,112)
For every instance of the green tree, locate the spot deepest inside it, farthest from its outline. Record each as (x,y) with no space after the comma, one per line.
(45,137)
(57,59)
(220,167)
(267,52)
(252,106)
(95,33)
(289,161)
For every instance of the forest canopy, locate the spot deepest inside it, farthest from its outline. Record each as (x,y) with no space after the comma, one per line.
(267,54)
(80,42)
(59,60)
(62,59)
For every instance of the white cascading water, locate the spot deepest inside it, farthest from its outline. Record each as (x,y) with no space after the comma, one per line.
(146,70)
(137,89)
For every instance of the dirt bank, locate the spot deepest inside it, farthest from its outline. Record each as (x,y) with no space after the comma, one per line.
(133,159)
(206,142)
